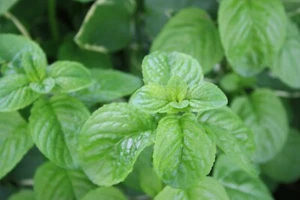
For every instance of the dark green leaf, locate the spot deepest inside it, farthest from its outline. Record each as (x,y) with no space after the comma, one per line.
(23,195)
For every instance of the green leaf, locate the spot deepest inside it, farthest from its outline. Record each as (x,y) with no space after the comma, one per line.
(15,141)
(106,26)
(5,5)
(44,86)
(159,67)
(69,76)
(183,153)
(238,184)
(55,125)
(207,189)
(252,33)
(284,167)
(265,115)
(150,182)
(23,195)
(233,82)
(191,31)
(111,140)
(15,93)
(108,86)
(52,182)
(286,65)
(106,193)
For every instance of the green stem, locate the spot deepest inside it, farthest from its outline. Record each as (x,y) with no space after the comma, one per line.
(18,24)
(52,20)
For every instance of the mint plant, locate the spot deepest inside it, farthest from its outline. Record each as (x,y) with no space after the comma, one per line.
(141,100)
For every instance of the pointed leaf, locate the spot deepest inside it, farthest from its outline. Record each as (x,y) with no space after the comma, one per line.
(183,153)
(55,125)
(111,140)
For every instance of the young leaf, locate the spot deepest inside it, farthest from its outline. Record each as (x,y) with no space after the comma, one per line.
(207,189)
(284,167)
(23,195)
(191,31)
(44,86)
(15,141)
(108,86)
(105,193)
(111,140)
(55,125)
(286,65)
(106,26)
(238,184)
(52,182)
(183,153)
(252,33)
(69,76)
(15,93)
(265,115)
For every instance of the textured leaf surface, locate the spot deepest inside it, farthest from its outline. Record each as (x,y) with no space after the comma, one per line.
(286,66)
(52,182)
(111,140)
(238,184)
(265,115)
(55,125)
(108,86)
(252,33)
(183,153)
(15,141)
(284,167)
(106,193)
(15,93)
(23,195)
(69,76)
(106,26)
(191,31)
(206,189)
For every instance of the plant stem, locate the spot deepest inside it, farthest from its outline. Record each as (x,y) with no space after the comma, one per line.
(18,24)
(52,20)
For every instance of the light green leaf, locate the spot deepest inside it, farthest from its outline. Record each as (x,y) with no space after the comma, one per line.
(111,140)
(15,141)
(5,5)
(52,182)
(108,86)
(106,26)
(150,182)
(284,167)
(23,195)
(233,82)
(15,93)
(265,115)
(183,153)
(286,65)
(106,193)
(44,86)
(252,33)
(207,189)
(55,125)
(69,76)
(238,184)
(191,31)
(159,67)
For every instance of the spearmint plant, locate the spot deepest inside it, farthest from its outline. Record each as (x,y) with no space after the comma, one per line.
(141,100)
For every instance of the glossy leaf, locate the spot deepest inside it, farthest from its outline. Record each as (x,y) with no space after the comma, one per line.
(52,182)
(15,93)
(286,65)
(238,184)
(105,193)
(106,26)
(284,167)
(207,189)
(55,125)
(23,195)
(69,76)
(44,86)
(15,141)
(111,140)
(265,115)
(183,153)
(252,33)
(191,31)
(109,85)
